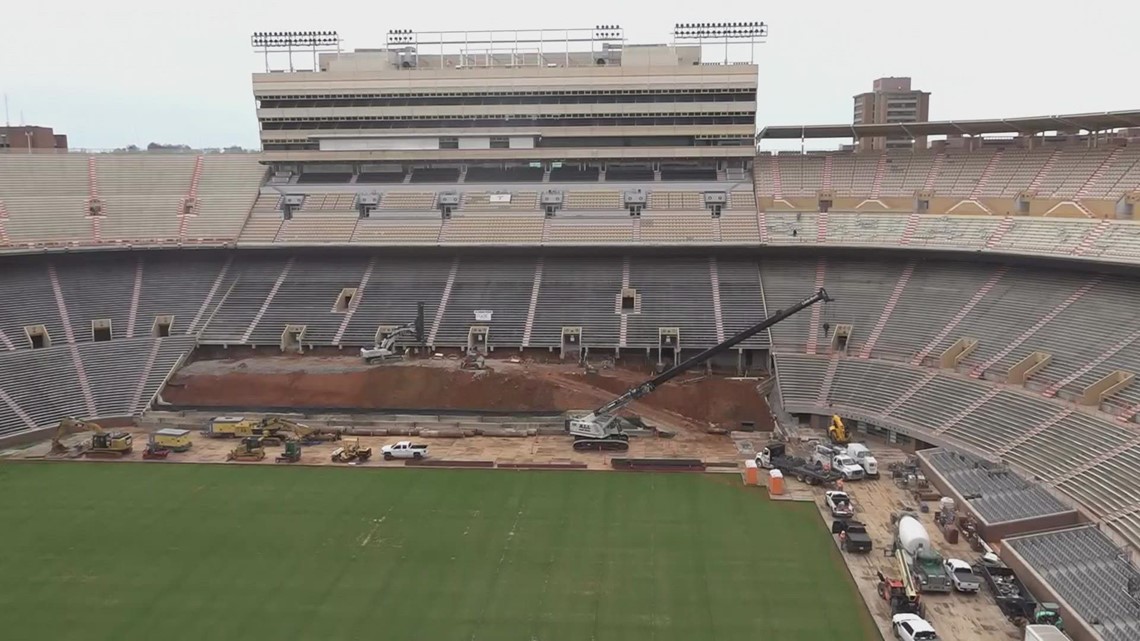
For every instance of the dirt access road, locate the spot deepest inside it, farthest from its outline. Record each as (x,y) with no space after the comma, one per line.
(693,402)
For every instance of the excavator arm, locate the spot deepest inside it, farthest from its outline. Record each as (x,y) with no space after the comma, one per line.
(599,423)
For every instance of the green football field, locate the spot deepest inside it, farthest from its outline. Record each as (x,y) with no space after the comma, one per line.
(164,551)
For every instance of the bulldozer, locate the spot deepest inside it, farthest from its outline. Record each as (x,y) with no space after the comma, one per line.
(837,431)
(251,448)
(103,444)
(351,451)
(291,454)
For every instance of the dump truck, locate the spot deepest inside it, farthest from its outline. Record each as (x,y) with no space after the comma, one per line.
(853,536)
(1010,594)
(922,561)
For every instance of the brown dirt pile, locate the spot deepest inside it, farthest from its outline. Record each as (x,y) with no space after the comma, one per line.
(706,401)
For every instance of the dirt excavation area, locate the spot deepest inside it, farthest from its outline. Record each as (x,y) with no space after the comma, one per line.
(692,402)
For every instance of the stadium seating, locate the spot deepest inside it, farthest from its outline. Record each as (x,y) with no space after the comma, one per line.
(1032,432)
(1051,172)
(1087,570)
(94,380)
(995,492)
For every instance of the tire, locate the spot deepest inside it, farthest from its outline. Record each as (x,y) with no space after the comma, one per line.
(388,456)
(417,455)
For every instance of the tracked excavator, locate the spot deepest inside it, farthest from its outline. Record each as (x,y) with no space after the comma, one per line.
(601,429)
(386,350)
(271,427)
(103,444)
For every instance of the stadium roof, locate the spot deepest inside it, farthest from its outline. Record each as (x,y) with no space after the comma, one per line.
(1031,125)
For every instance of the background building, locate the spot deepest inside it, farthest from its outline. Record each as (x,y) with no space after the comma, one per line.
(891,100)
(579,98)
(28,137)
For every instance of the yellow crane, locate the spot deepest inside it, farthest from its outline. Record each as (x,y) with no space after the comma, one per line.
(103,444)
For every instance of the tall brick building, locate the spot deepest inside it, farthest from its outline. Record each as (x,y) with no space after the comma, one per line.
(891,100)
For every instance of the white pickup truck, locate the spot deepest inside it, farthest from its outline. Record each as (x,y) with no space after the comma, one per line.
(837,461)
(962,576)
(404,449)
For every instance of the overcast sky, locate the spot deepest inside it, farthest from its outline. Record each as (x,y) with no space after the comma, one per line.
(117,72)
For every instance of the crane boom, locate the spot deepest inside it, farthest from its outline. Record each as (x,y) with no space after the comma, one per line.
(597,424)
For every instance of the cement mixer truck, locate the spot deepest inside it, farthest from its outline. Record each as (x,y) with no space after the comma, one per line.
(913,549)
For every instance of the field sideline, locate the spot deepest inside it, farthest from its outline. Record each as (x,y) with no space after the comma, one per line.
(165,551)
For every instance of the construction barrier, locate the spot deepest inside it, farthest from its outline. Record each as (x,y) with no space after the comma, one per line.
(443,463)
(542,466)
(659,464)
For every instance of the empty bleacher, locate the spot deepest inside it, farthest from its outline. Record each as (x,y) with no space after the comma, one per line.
(142,194)
(996,493)
(675,292)
(579,294)
(408,200)
(46,197)
(498,285)
(395,285)
(122,376)
(1090,573)
(1026,429)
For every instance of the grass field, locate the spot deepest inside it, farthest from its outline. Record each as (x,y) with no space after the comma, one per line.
(130,551)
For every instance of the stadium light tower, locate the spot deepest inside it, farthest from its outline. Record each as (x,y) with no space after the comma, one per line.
(717,32)
(289,42)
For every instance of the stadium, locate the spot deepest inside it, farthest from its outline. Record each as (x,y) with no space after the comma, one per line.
(559,216)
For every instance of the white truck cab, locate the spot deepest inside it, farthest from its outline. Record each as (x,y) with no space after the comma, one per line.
(865,458)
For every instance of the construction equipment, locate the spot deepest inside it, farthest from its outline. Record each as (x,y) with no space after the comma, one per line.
(103,444)
(386,350)
(473,360)
(351,452)
(601,429)
(272,426)
(774,456)
(229,427)
(251,448)
(900,595)
(1010,594)
(155,450)
(172,439)
(291,454)
(914,552)
(837,431)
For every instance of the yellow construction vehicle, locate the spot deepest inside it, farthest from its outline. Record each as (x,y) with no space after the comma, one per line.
(351,451)
(103,444)
(271,426)
(229,427)
(837,431)
(252,448)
